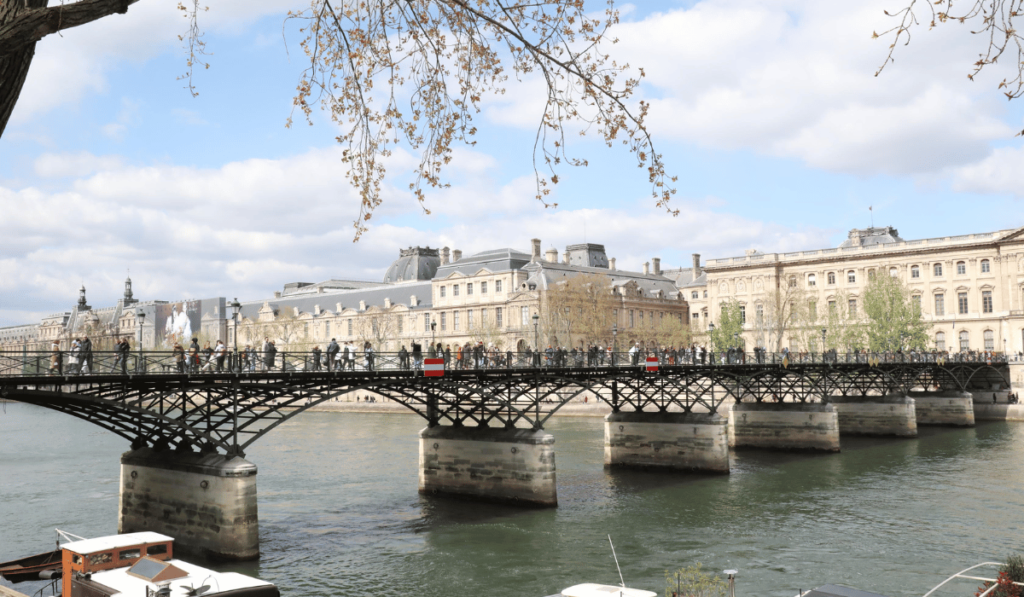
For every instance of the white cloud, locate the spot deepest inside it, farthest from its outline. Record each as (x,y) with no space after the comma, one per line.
(248,227)
(1001,173)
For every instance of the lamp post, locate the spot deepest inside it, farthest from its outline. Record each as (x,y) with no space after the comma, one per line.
(236,308)
(433,328)
(140,316)
(824,332)
(711,341)
(615,332)
(536,337)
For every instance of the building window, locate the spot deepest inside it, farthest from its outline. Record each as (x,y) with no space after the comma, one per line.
(852,304)
(916,301)
(327,329)
(455,321)
(985,266)
(483,287)
(497,286)
(871,274)
(940,341)
(615,316)
(349,327)
(630,318)
(812,310)
(641,318)
(497,317)
(695,295)
(743,314)
(696,316)
(426,322)
(469,319)
(759,313)
(831,306)
(893,272)
(961,303)
(812,280)
(990,340)
(940,304)
(915,272)
(455,290)
(483,318)
(831,278)
(705,294)
(937,270)
(792,281)
(965,341)
(444,321)
(400,320)
(525,312)
(961,268)
(469,288)
(986,301)
(442,291)
(851,277)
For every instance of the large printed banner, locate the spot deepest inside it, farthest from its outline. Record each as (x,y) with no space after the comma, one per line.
(178,322)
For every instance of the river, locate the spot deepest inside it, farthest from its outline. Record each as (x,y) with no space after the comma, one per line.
(340,514)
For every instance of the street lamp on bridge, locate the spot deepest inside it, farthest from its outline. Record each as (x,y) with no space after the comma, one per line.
(236,308)
(433,328)
(140,316)
(711,341)
(536,338)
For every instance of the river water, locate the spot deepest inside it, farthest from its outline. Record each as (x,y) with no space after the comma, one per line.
(340,513)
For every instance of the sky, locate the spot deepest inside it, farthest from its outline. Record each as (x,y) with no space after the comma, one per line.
(768,112)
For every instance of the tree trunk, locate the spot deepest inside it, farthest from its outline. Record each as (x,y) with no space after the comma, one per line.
(14,66)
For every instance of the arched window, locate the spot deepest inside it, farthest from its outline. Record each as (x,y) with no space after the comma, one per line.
(915,272)
(940,341)
(986,267)
(812,280)
(961,268)
(792,281)
(893,272)
(990,340)
(965,341)
(851,277)
(937,270)
(831,278)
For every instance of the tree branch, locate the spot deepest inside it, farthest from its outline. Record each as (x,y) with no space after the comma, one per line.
(33,24)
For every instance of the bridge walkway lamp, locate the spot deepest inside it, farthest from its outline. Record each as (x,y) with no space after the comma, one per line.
(236,308)
(433,328)
(711,342)
(615,333)
(824,332)
(536,340)
(141,317)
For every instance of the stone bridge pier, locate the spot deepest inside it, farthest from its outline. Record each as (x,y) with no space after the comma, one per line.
(206,502)
(892,415)
(950,408)
(784,426)
(667,440)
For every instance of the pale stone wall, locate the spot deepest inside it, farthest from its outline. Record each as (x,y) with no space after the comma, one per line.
(686,441)
(999,412)
(504,465)
(784,426)
(876,415)
(207,503)
(944,408)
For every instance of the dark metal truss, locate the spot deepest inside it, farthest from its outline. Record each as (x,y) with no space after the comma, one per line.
(228,412)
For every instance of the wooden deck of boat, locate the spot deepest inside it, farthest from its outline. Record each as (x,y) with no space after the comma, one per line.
(8,592)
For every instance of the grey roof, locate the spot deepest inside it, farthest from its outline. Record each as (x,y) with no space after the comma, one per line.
(399,294)
(867,237)
(496,260)
(683,277)
(414,263)
(545,274)
(293,288)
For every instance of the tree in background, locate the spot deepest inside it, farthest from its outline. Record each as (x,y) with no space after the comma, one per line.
(692,581)
(784,308)
(416,72)
(893,319)
(730,323)
(845,329)
(579,310)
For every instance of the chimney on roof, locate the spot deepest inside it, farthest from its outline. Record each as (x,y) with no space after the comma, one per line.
(337,307)
(456,255)
(277,294)
(566,257)
(611,264)
(413,301)
(696,265)
(647,268)
(362,305)
(657,265)
(534,250)
(552,255)
(387,302)
(444,256)
(316,309)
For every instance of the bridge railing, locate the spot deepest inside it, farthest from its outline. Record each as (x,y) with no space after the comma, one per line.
(71,363)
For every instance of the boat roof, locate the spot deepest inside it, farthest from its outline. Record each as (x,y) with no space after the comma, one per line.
(88,546)
(594,590)
(839,591)
(219,582)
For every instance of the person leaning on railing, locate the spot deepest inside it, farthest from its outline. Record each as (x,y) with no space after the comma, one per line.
(178,355)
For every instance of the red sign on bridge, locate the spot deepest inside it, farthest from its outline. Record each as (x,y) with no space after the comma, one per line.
(652,364)
(433,367)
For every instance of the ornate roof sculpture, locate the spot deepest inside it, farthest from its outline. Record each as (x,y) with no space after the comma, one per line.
(865,237)
(414,263)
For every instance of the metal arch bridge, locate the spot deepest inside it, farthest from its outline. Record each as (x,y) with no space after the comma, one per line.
(152,404)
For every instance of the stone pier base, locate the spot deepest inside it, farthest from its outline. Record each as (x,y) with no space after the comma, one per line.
(876,415)
(683,441)
(944,408)
(503,465)
(206,502)
(784,426)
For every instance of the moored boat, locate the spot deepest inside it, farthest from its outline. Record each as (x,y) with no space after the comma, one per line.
(30,567)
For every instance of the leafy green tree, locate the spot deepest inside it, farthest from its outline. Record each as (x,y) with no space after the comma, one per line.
(730,323)
(692,581)
(845,329)
(893,319)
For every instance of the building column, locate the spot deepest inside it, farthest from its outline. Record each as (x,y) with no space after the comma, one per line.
(502,465)
(681,441)
(206,502)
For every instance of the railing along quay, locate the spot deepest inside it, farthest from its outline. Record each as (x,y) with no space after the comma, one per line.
(153,363)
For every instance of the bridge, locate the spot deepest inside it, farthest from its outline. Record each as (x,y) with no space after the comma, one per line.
(189,424)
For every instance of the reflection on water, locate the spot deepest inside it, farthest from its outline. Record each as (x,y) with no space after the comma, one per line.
(340,513)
